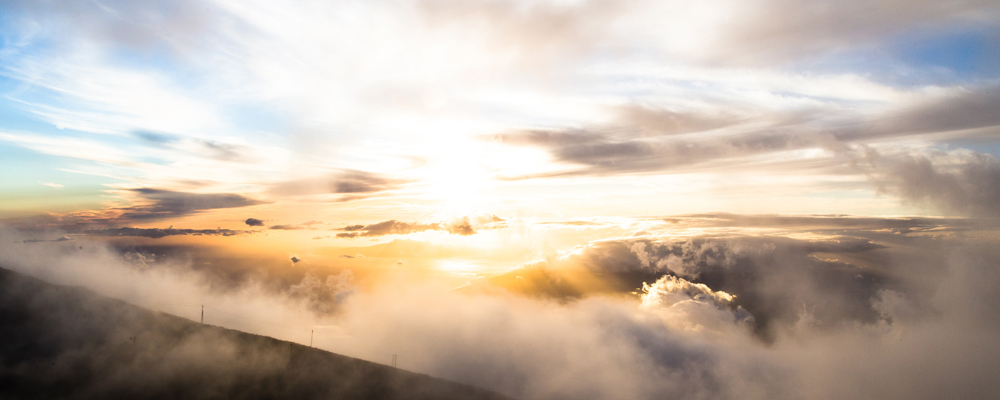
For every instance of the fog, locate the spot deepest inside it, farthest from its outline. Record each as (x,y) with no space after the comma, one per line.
(929,329)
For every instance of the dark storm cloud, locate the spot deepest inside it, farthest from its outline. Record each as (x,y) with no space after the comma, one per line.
(353,184)
(157,233)
(162,204)
(254,222)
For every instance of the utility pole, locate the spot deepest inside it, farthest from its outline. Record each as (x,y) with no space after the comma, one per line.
(311,333)
(203,314)
(394,361)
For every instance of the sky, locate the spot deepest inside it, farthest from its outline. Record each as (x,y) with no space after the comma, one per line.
(343,146)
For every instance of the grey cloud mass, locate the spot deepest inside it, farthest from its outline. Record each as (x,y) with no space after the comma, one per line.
(822,222)
(462,226)
(647,140)
(390,227)
(285,227)
(304,225)
(353,184)
(254,222)
(163,204)
(157,233)
(969,187)
(149,205)
(895,316)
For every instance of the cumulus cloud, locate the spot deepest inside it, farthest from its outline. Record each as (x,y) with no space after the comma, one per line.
(693,305)
(285,227)
(772,278)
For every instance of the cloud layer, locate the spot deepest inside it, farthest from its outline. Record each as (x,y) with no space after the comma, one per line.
(874,314)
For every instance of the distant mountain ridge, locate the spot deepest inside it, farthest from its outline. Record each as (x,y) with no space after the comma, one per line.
(69,343)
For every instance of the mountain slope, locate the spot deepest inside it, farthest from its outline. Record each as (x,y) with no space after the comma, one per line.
(66,342)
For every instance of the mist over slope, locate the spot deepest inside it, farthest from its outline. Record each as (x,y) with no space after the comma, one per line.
(822,307)
(66,342)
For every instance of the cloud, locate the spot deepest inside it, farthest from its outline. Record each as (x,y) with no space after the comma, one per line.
(636,140)
(53,185)
(208,148)
(460,227)
(285,227)
(931,333)
(254,222)
(324,296)
(157,233)
(821,222)
(463,226)
(698,306)
(354,184)
(390,227)
(163,204)
(772,278)
(571,223)
(292,227)
(598,153)
(968,185)
(59,239)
